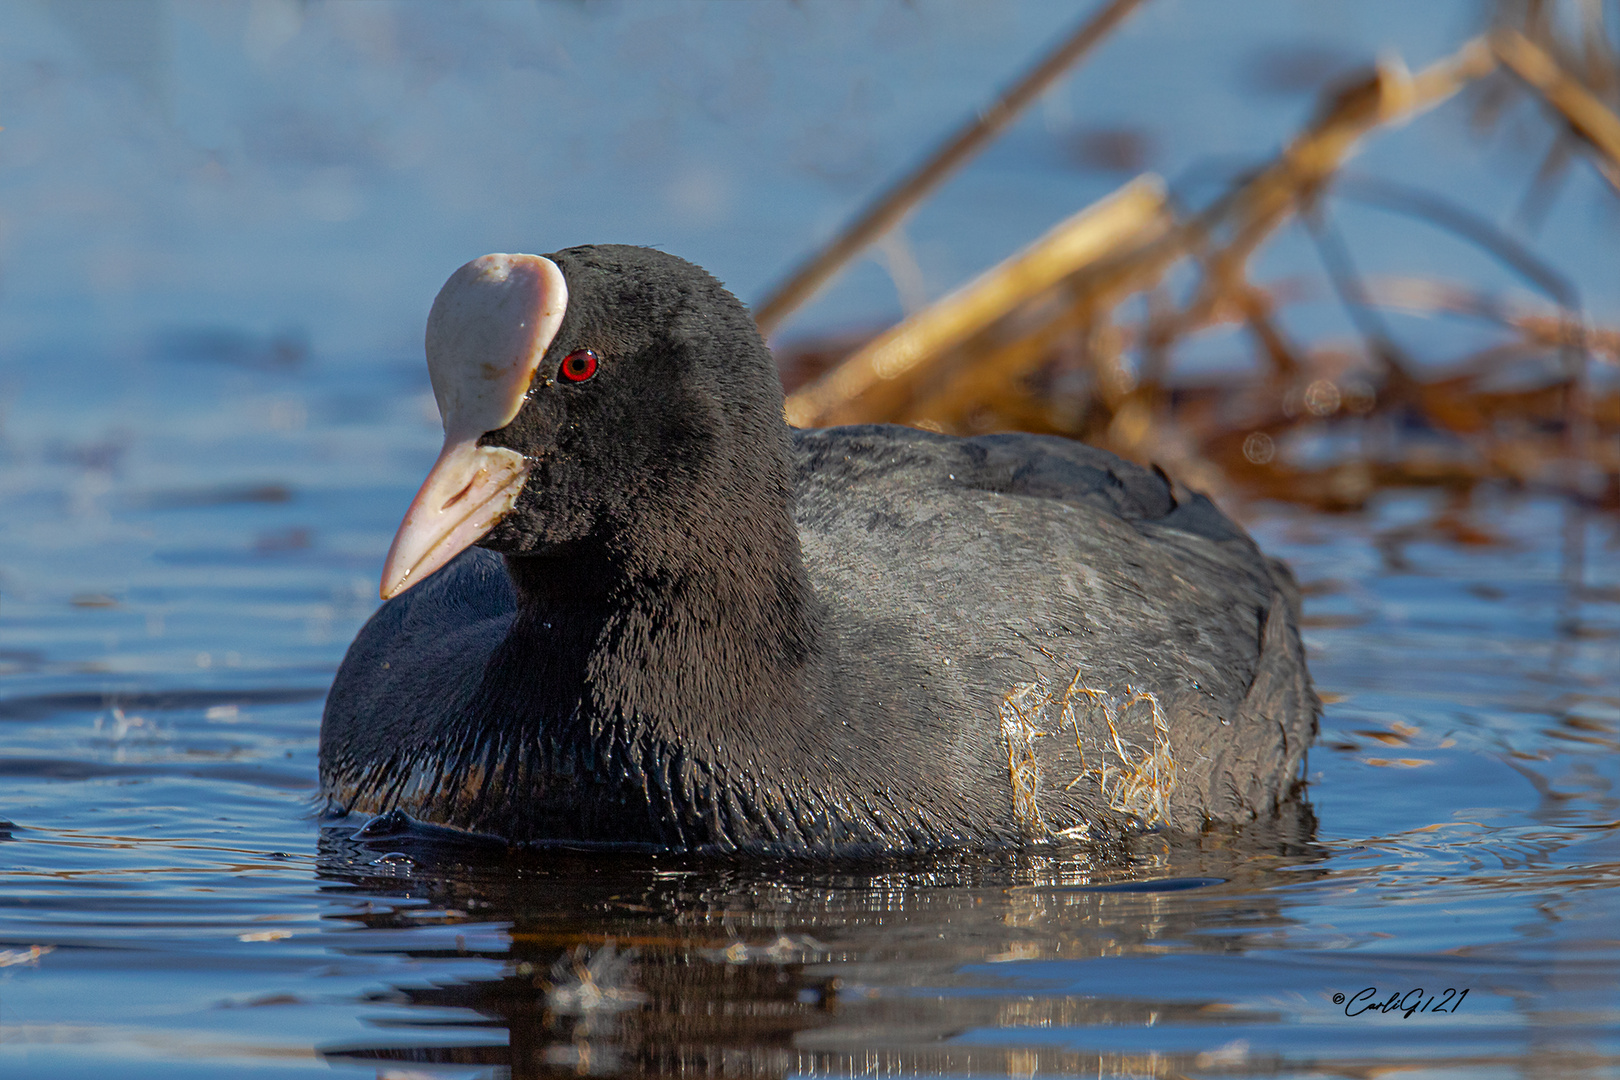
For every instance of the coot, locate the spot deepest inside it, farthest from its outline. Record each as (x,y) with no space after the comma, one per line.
(630,605)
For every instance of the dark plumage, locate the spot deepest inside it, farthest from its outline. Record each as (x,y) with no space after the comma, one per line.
(698,627)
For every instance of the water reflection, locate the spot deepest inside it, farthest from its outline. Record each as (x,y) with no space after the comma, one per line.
(653,963)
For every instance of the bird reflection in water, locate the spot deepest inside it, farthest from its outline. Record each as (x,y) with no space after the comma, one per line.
(617,963)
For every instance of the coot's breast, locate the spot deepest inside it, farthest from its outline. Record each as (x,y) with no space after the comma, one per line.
(398,705)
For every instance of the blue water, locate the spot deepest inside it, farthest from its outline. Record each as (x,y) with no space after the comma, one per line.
(221,229)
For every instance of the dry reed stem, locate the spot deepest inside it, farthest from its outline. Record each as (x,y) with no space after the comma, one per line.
(891,207)
(1390,96)
(1586,115)
(1122,245)
(881,375)
(1424,296)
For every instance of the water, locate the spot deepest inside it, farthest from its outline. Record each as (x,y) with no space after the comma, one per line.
(215,415)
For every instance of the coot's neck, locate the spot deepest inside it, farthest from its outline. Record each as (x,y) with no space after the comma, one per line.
(690,618)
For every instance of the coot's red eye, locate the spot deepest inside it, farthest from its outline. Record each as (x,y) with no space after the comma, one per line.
(579,365)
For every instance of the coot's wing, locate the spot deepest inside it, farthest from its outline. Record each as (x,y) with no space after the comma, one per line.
(1035,585)
(409,677)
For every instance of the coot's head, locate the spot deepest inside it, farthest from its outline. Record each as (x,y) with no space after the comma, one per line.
(610,395)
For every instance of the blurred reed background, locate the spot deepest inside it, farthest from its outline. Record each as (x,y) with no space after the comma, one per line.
(1081,332)
(1296,250)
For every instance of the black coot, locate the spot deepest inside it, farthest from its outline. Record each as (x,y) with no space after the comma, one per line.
(686,624)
